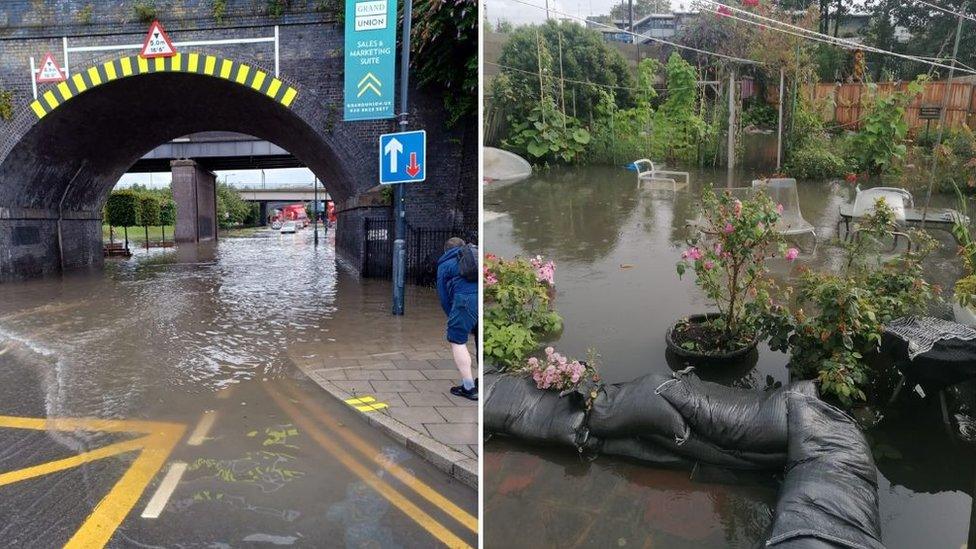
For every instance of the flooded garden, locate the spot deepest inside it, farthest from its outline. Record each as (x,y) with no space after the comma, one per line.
(614,246)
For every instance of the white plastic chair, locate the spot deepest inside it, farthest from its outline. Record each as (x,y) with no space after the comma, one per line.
(899,200)
(783,191)
(648,171)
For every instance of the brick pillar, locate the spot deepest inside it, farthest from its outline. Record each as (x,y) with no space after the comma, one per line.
(195,194)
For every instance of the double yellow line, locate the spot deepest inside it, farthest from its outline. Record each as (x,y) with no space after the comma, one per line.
(372,454)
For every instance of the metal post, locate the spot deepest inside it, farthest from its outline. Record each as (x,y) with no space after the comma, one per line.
(64,51)
(942,113)
(779,130)
(33,77)
(731,142)
(399,191)
(276,52)
(315,212)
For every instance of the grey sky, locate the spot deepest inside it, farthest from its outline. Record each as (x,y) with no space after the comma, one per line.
(284,177)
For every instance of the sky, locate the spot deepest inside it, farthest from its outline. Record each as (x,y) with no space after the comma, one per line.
(284,177)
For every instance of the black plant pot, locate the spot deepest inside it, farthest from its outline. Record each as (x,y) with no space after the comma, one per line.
(705,357)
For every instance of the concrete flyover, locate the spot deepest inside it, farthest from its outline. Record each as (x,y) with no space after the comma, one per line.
(61,154)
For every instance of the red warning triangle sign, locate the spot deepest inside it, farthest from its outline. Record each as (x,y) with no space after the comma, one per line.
(157,43)
(49,71)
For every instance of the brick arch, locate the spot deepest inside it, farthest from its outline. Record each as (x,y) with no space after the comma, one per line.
(68,148)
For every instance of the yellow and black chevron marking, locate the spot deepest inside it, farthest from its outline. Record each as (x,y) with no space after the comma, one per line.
(196,63)
(366,404)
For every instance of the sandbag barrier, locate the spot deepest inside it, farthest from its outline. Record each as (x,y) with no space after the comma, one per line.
(828,497)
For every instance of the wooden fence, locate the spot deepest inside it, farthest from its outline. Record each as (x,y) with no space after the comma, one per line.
(842,104)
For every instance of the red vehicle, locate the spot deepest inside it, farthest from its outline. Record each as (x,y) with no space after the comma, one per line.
(292,212)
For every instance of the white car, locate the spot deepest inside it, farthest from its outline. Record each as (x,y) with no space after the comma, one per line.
(289,227)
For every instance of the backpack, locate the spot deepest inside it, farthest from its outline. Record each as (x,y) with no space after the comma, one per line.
(468,262)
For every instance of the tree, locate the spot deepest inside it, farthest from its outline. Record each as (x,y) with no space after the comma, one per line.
(123,210)
(150,210)
(642,8)
(167,215)
(231,209)
(444,44)
(586,60)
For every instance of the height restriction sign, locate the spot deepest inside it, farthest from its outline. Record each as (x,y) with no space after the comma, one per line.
(157,43)
(49,71)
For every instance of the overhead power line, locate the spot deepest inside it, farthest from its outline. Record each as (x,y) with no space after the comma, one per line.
(638,35)
(947,10)
(775,24)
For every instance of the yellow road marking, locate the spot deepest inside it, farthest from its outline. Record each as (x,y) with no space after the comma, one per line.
(376,483)
(371,452)
(360,400)
(159,440)
(372,407)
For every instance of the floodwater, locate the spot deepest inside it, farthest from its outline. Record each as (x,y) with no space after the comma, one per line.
(615,249)
(210,335)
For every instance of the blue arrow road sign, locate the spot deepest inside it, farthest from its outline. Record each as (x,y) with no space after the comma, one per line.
(403,157)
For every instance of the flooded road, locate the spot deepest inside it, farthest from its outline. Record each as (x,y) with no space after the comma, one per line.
(615,249)
(183,420)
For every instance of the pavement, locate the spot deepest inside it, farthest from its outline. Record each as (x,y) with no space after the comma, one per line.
(402,385)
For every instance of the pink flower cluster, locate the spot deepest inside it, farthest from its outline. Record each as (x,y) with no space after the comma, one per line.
(490,278)
(555,371)
(544,271)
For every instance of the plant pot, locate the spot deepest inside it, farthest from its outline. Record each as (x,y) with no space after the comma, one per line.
(964,314)
(702,356)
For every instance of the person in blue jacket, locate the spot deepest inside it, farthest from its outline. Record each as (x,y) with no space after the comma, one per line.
(459,299)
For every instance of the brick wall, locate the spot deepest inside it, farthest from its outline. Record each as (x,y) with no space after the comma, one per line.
(311,59)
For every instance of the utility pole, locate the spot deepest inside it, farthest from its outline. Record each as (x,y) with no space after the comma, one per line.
(779,130)
(731,142)
(942,113)
(315,212)
(399,190)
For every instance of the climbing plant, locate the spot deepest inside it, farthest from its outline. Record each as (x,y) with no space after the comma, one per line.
(276,8)
(678,126)
(444,44)
(219,9)
(145,10)
(881,141)
(6,105)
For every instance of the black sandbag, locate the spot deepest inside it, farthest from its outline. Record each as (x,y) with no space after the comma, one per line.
(641,450)
(740,419)
(633,409)
(829,497)
(515,406)
(697,449)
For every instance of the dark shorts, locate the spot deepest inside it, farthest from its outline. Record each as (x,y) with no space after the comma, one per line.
(463,319)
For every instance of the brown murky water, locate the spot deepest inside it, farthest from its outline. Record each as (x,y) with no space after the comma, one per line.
(615,248)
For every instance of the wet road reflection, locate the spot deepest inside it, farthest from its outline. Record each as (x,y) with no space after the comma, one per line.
(203,339)
(615,248)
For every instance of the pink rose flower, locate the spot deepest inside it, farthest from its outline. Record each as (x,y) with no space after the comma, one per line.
(728,228)
(792,253)
(694,254)
(709,265)
(779,209)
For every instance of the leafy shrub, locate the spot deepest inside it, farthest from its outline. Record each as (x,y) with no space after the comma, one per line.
(728,255)
(815,161)
(123,209)
(518,309)
(760,115)
(545,134)
(837,319)
(6,105)
(149,210)
(276,8)
(167,212)
(219,9)
(85,14)
(880,143)
(145,10)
